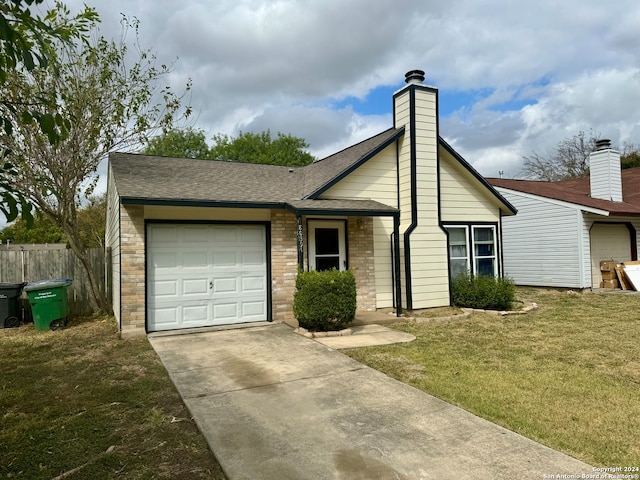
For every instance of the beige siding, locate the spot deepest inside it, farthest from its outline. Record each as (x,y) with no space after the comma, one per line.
(429,270)
(463,198)
(156,212)
(112,245)
(376,180)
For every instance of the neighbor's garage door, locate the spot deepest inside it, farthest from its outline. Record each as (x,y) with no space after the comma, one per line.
(205,275)
(608,242)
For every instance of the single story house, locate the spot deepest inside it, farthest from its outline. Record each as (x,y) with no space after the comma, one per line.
(194,243)
(564,229)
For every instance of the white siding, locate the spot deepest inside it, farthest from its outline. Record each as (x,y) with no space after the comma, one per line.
(375,180)
(605,178)
(541,243)
(112,243)
(463,198)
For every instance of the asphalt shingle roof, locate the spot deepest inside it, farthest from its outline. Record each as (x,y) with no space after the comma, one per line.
(577,191)
(151,178)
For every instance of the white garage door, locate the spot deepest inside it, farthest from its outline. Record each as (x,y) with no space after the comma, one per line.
(608,242)
(205,275)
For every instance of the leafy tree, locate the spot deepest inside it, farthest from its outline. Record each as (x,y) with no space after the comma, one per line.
(92,221)
(570,160)
(630,155)
(184,143)
(91,227)
(26,44)
(261,148)
(40,230)
(107,104)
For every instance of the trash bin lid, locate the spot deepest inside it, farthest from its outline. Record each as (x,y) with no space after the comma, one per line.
(11,285)
(44,284)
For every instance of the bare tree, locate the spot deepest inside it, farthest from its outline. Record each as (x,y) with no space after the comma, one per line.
(570,160)
(104,104)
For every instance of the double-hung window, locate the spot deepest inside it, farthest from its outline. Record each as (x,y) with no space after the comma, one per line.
(472,250)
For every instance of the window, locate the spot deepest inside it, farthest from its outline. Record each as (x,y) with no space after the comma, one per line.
(481,259)
(458,252)
(327,245)
(484,251)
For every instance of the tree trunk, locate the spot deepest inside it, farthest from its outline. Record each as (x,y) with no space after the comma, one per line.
(98,299)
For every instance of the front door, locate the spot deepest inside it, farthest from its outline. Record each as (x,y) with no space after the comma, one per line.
(327,245)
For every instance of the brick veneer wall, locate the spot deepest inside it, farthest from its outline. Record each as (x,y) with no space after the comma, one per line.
(132,275)
(284,265)
(361,260)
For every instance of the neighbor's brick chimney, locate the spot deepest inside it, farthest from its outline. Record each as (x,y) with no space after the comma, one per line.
(604,172)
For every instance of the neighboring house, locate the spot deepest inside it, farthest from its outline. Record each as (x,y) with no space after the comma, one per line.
(198,242)
(564,229)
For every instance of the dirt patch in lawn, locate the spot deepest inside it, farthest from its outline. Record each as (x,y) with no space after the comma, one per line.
(82,403)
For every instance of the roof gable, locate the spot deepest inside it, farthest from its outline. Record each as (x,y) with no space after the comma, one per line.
(323,174)
(466,166)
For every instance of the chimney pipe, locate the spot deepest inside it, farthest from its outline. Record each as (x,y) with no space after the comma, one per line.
(603,144)
(414,76)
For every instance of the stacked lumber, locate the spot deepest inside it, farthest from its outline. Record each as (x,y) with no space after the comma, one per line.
(620,275)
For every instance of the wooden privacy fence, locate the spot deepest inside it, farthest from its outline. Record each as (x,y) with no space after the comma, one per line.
(31,265)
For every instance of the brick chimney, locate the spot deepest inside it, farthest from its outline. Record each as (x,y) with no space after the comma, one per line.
(604,172)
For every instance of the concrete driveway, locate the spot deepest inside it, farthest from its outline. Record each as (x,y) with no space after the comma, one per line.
(275,405)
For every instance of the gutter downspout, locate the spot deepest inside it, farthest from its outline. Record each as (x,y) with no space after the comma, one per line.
(396,264)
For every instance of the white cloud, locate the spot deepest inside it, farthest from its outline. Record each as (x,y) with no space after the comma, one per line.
(282,64)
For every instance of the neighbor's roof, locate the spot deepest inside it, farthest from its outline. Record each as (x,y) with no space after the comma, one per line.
(577,191)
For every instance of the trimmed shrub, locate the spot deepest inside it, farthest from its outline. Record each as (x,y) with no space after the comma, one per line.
(483,291)
(325,300)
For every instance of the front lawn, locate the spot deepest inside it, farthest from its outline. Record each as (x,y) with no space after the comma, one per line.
(566,375)
(80,403)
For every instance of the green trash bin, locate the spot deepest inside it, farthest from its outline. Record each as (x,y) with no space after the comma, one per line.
(49,305)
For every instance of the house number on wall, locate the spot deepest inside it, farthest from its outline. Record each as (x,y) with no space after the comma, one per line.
(300,239)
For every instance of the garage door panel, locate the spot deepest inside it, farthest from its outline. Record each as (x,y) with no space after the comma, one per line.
(252,258)
(253,309)
(165,318)
(225,235)
(197,259)
(194,314)
(252,284)
(225,285)
(226,311)
(195,235)
(252,235)
(164,288)
(162,259)
(163,234)
(195,286)
(206,275)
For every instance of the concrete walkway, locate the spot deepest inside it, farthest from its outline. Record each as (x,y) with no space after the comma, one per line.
(276,405)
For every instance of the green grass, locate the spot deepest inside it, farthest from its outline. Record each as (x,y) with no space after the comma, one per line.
(566,375)
(81,403)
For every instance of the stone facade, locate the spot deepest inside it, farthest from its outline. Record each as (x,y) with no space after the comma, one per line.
(132,258)
(284,265)
(361,260)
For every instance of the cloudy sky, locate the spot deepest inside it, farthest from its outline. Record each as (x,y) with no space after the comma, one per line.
(514,77)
